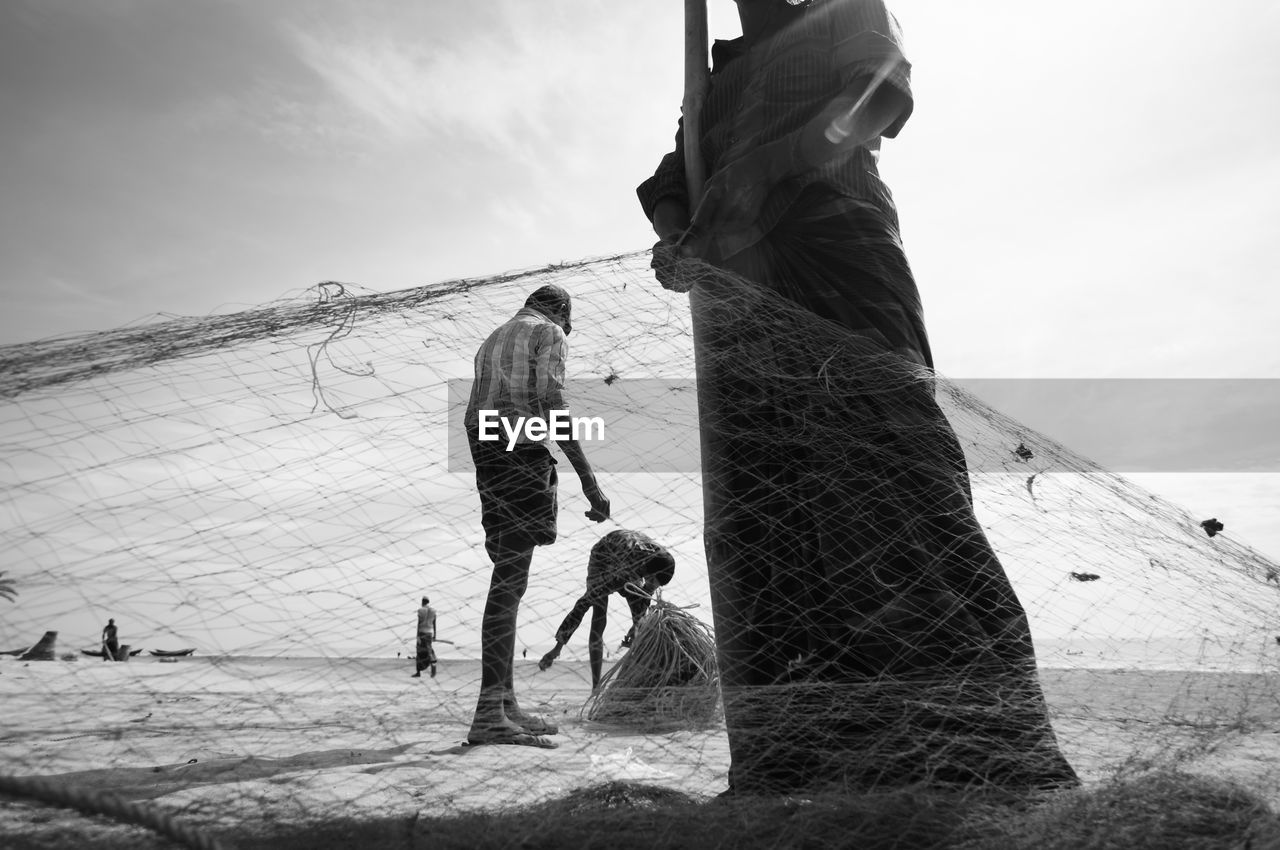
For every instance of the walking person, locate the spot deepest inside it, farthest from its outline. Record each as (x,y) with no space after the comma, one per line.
(426,654)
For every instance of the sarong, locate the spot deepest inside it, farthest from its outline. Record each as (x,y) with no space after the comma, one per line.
(867,633)
(426,654)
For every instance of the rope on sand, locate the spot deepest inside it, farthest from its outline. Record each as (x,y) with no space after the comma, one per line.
(95,802)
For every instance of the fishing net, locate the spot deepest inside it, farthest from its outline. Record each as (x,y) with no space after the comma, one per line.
(668,678)
(277,488)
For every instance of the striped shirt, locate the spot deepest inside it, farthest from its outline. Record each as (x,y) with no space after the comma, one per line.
(519,372)
(764,92)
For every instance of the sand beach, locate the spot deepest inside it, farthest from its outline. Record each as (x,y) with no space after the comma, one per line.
(233,745)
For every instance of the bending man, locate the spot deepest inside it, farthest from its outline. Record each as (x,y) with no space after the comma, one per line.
(629,563)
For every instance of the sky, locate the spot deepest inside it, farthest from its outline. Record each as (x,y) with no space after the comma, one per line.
(1086,191)
(1092,194)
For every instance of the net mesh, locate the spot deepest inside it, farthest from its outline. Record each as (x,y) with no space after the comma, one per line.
(278,487)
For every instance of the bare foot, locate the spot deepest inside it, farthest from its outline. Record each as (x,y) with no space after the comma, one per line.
(505,732)
(519,739)
(489,728)
(532,723)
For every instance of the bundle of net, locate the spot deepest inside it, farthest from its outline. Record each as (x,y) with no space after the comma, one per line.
(667,680)
(278,487)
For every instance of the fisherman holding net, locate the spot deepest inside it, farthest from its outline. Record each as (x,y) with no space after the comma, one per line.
(840,528)
(629,563)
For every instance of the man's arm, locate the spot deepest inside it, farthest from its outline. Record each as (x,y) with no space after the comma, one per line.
(551,382)
(665,200)
(590,487)
(639,605)
(876,81)
(855,118)
(668,182)
(671,219)
(671,223)
(873,100)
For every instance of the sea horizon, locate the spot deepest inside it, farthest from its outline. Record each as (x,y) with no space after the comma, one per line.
(1257,653)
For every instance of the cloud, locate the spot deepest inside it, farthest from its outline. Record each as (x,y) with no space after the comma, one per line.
(518,77)
(377,79)
(79,295)
(410,92)
(513,219)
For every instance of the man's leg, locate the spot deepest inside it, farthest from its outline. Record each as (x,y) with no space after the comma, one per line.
(595,643)
(532,723)
(498,643)
(518,511)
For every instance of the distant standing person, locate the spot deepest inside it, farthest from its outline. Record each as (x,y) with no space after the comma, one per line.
(629,563)
(110,641)
(519,372)
(426,654)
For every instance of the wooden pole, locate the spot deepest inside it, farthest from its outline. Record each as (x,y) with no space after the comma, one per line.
(696,83)
(705,294)
(696,74)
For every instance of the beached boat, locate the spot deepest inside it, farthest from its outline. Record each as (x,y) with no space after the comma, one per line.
(97,653)
(172,653)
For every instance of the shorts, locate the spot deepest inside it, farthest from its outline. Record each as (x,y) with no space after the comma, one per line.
(518,504)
